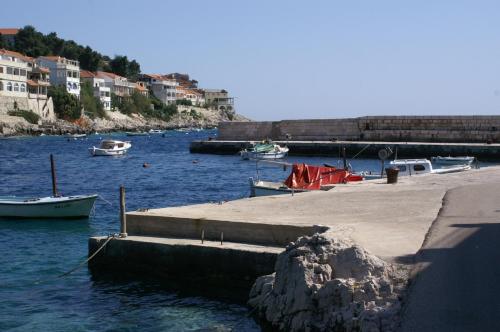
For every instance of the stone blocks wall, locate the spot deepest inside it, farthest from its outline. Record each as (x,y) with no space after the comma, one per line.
(458,129)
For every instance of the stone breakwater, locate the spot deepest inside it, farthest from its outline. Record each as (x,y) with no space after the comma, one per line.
(327,284)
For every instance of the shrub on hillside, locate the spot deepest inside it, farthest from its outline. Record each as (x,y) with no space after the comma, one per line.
(29,116)
(66,105)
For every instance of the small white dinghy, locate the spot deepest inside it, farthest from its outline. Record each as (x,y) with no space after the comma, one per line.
(47,207)
(110,148)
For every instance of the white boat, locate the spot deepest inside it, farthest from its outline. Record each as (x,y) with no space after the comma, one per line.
(75,136)
(464,160)
(47,207)
(409,167)
(110,148)
(260,188)
(264,151)
(156,131)
(134,133)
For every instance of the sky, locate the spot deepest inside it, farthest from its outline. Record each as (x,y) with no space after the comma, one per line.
(299,59)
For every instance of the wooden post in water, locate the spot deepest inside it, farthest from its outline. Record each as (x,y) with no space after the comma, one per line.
(123,217)
(53,171)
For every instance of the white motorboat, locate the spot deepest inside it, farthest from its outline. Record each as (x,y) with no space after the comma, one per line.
(264,151)
(110,148)
(463,160)
(75,136)
(47,207)
(260,188)
(156,131)
(409,167)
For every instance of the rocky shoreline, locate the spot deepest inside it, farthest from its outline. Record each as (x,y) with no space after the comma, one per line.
(115,121)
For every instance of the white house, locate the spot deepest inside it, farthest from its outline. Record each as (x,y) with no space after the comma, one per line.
(14,70)
(63,72)
(163,88)
(192,95)
(99,87)
(119,85)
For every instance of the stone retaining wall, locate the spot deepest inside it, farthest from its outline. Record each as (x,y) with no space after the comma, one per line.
(478,129)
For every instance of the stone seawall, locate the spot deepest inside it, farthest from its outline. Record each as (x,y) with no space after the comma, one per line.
(471,129)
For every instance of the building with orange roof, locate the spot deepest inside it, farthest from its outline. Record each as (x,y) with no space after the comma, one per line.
(99,88)
(163,88)
(118,85)
(9,35)
(141,88)
(196,98)
(64,72)
(14,72)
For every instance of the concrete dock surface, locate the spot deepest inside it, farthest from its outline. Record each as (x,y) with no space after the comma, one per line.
(391,221)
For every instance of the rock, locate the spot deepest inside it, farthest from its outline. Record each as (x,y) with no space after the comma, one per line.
(327,284)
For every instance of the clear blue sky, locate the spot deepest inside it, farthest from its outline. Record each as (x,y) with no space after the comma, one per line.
(300,59)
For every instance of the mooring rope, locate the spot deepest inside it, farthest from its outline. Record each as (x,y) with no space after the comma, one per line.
(363,149)
(109,203)
(110,237)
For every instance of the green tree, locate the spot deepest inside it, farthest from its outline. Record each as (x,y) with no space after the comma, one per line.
(30,42)
(66,105)
(91,104)
(119,65)
(3,44)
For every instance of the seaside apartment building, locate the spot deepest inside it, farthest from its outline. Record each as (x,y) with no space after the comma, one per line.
(163,88)
(63,72)
(117,84)
(38,82)
(9,35)
(219,99)
(14,70)
(99,87)
(192,95)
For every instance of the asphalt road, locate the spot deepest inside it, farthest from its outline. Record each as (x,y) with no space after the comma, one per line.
(458,283)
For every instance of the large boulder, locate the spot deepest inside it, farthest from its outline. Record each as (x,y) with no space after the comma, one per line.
(326,284)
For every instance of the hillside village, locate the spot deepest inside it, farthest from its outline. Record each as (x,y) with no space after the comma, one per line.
(53,93)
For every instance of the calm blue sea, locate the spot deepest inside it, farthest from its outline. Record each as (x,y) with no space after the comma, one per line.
(34,250)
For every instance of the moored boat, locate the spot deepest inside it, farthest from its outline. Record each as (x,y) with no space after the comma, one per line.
(303,178)
(156,131)
(110,148)
(459,160)
(75,136)
(47,207)
(410,167)
(264,151)
(136,133)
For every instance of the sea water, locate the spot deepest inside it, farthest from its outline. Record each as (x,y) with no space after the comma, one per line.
(34,252)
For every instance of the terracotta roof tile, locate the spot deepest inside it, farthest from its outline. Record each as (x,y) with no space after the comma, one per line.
(9,31)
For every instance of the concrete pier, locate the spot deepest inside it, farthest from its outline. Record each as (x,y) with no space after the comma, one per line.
(391,221)
(482,151)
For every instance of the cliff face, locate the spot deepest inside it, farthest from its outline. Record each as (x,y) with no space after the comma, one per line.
(186,116)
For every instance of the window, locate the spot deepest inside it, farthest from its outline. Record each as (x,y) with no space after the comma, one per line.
(23,72)
(75,86)
(69,86)
(16,71)
(1,84)
(16,87)
(402,168)
(419,168)
(23,87)
(9,70)
(1,70)
(9,86)
(68,73)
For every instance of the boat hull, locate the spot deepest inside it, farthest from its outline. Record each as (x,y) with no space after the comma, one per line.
(48,207)
(247,155)
(107,152)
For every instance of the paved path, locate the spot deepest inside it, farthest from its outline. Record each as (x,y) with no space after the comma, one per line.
(458,283)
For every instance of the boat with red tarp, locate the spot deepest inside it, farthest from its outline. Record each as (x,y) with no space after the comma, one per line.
(304,178)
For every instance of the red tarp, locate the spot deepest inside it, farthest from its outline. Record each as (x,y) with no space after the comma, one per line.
(313,177)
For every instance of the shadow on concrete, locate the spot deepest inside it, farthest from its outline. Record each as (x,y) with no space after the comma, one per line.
(457,286)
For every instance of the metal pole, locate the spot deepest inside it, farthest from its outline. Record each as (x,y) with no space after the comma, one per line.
(382,172)
(123,217)
(53,171)
(344,158)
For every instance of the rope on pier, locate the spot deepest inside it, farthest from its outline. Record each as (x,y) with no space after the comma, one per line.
(110,237)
